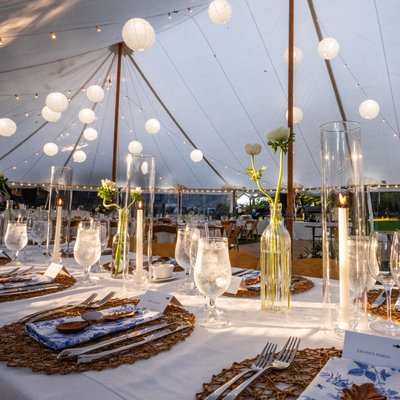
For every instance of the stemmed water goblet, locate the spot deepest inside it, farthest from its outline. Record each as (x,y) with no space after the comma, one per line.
(16,238)
(39,233)
(87,249)
(381,255)
(182,256)
(104,236)
(212,275)
(395,259)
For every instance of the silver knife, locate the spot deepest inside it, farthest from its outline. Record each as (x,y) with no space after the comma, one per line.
(87,358)
(379,300)
(75,352)
(29,289)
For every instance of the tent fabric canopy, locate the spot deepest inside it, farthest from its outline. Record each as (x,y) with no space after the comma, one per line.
(225,85)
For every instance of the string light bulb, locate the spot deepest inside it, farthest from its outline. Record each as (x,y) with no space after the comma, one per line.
(53,35)
(98,28)
(1,42)
(16,97)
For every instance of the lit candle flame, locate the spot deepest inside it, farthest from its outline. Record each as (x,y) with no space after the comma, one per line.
(140,205)
(342,200)
(59,202)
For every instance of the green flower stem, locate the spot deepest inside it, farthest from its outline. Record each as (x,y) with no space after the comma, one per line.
(121,237)
(278,187)
(258,182)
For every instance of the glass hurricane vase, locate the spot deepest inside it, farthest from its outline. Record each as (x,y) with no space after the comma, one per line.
(275,264)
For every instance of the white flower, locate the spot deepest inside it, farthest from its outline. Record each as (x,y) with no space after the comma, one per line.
(137,190)
(278,135)
(253,149)
(108,185)
(2,175)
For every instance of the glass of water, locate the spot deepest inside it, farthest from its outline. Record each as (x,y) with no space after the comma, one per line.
(16,238)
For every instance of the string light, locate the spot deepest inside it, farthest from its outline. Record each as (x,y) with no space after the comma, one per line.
(98,28)
(36,96)
(16,97)
(1,42)
(169,16)
(53,35)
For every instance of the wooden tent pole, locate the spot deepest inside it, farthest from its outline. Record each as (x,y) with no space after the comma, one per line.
(290,197)
(115,145)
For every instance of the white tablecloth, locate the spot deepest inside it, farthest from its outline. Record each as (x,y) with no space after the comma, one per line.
(175,374)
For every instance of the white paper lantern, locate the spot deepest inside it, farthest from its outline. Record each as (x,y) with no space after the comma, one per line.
(220,11)
(90,134)
(152,126)
(135,147)
(138,34)
(328,48)
(79,156)
(95,93)
(297,115)
(49,115)
(87,116)
(196,155)
(50,149)
(7,127)
(57,102)
(369,109)
(297,56)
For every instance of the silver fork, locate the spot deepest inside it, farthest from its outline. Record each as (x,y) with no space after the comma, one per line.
(263,359)
(282,361)
(85,302)
(91,305)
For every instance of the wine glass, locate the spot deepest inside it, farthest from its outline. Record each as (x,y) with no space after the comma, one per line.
(395,258)
(39,233)
(87,249)
(182,256)
(212,275)
(16,238)
(380,249)
(104,235)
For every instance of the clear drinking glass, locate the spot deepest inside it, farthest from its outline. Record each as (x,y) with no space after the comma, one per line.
(381,254)
(182,256)
(395,258)
(87,249)
(16,238)
(212,275)
(39,233)
(104,236)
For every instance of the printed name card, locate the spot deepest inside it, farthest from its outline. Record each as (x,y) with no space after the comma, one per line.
(235,284)
(54,269)
(372,349)
(157,301)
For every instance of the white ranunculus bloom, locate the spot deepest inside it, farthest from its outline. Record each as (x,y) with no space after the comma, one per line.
(278,134)
(137,190)
(109,185)
(253,149)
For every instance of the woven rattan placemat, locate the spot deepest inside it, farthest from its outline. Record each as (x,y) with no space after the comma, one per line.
(299,284)
(63,280)
(275,385)
(4,261)
(381,310)
(17,349)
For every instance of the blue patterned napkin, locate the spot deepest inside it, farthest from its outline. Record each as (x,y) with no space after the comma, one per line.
(252,274)
(341,373)
(46,333)
(34,279)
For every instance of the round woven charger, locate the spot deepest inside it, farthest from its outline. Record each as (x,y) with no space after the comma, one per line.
(4,261)
(276,385)
(28,353)
(382,310)
(63,280)
(299,284)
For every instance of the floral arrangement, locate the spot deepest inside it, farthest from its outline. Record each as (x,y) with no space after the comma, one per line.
(277,139)
(4,189)
(107,192)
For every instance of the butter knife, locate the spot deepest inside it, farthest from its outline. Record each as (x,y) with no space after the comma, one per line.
(29,289)
(379,300)
(87,358)
(75,352)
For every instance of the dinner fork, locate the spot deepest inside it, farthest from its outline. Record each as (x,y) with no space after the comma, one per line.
(263,359)
(282,361)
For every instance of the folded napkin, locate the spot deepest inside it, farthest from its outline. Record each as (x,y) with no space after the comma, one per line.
(46,333)
(18,281)
(252,274)
(341,373)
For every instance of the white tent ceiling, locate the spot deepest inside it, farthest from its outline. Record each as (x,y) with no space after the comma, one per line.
(226,85)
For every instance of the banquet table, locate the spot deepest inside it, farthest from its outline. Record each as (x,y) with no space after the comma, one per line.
(180,372)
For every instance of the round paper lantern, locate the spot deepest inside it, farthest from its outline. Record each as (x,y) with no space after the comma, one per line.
(152,126)
(369,109)
(138,34)
(7,127)
(57,102)
(79,156)
(49,115)
(297,56)
(50,149)
(95,93)
(297,115)
(90,134)
(135,147)
(87,116)
(328,48)
(196,155)
(220,11)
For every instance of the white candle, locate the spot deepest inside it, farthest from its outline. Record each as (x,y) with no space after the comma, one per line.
(139,243)
(344,274)
(56,252)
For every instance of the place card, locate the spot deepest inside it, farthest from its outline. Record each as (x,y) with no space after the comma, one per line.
(157,301)
(234,286)
(372,349)
(54,269)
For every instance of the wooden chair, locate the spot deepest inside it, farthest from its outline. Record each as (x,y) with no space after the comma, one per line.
(164,231)
(242,259)
(310,267)
(249,229)
(233,238)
